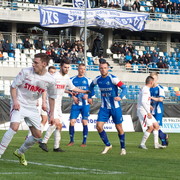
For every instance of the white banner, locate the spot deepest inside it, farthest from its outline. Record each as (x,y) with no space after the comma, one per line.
(109,126)
(171,125)
(81,3)
(106,18)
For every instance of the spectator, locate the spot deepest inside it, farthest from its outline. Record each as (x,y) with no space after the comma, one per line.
(160,64)
(1,55)
(67,45)
(115,49)
(80,54)
(155,58)
(128,58)
(39,44)
(121,59)
(96,46)
(147,59)
(134,58)
(27,44)
(130,48)
(1,47)
(126,7)
(122,49)
(169,8)
(104,4)
(178,9)
(6,46)
(136,5)
(55,43)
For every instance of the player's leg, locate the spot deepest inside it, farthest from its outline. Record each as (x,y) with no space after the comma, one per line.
(43,122)
(118,119)
(103,117)
(8,137)
(71,131)
(57,136)
(162,136)
(85,114)
(75,111)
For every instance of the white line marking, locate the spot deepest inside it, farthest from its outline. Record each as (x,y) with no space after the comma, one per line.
(91,171)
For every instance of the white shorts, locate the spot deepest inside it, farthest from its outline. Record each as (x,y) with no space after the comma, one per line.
(29,114)
(58,112)
(144,120)
(43,113)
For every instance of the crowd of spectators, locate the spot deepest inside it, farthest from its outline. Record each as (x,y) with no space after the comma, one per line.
(128,56)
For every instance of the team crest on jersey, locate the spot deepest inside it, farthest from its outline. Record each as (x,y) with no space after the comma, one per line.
(108,83)
(84,82)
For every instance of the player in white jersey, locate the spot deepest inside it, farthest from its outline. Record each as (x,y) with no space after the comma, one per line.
(26,89)
(147,120)
(42,104)
(62,82)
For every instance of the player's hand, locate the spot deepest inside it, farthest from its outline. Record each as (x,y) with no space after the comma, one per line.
(151,108)
(16,105)
(51,119)
(117,98)
(149,115)
(85,97)
(86,91)
(90,101)
(76,100)
(44,106)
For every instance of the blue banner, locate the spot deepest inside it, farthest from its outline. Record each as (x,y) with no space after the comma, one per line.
(104,18)
(81,3)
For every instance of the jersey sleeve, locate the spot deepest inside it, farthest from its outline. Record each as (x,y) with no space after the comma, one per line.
(91,88)
(121,85)
(161,92)
(51,90)
(19,79)
(145,100)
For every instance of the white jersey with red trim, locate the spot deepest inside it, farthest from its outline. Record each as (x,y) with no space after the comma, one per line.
(30,86)
(144,100)
(62,82)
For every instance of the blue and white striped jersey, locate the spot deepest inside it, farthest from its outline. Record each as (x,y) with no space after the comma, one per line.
(81,83)
(109,89)
(157,91)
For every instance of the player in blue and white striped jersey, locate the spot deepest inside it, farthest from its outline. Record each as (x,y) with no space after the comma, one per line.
(80,104)
(110,106)
(157,97)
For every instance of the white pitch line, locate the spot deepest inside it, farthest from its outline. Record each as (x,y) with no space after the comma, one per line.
(92,171)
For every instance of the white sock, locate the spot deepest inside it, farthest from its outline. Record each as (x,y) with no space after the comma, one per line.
(155,133)
(48,134)
(42,128)
(29,142)
(145,137)
(57,138)
(6,140)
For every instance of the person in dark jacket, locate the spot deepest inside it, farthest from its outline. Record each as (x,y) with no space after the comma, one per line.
(27,44)
(39,44)
(96,46)
(6,46)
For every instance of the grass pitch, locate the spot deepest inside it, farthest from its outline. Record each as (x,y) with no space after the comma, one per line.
(87,163)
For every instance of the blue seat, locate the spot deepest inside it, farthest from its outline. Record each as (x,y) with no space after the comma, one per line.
(162,71)
(142,3)
(147,9)
(11,54)
(157,10)
(162,10)
(147,48)
(166,54)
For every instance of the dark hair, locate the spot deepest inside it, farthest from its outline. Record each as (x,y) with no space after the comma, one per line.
(149,79)
(64,61)
(44,57)
(81,64)
(51,67)
(104,62)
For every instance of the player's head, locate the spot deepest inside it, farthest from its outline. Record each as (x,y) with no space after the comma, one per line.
(65,65)
(155,76)
(81,69)
(51,70)
(41,60)
(103,68)
(150,81)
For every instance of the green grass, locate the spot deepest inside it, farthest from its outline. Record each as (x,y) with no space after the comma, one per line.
(87,163)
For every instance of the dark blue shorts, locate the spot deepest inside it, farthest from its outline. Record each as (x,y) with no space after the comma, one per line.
(116,113)
(76,110)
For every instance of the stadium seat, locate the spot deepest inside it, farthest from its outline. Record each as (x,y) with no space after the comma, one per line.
(108,52)
(157,10)
(142,3)
(147,9)
(162,10)
(142,9)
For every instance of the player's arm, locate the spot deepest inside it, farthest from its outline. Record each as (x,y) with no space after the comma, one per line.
(16,105)
(121,85)
(145,104)
(51,112)
(158,99)
(44,102)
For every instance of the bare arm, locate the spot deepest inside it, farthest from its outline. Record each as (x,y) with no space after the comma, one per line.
(44,104)
(158,99)
(80,90)
(16,105)
(51,113)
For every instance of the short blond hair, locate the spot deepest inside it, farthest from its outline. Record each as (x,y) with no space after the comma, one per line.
(154,74)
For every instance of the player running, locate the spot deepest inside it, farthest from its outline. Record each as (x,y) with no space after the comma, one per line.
(26,89)
(80,105)
(110,106)
(147,120)
(157,97)
(62,82)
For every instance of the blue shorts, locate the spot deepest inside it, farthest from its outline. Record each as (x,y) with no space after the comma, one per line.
(116,113)
(158,117)
(76,110)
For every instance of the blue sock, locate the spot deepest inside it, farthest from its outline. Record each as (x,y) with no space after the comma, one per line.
(162,137)
(71,133)
(85,133)
(104,138)
(122,140)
